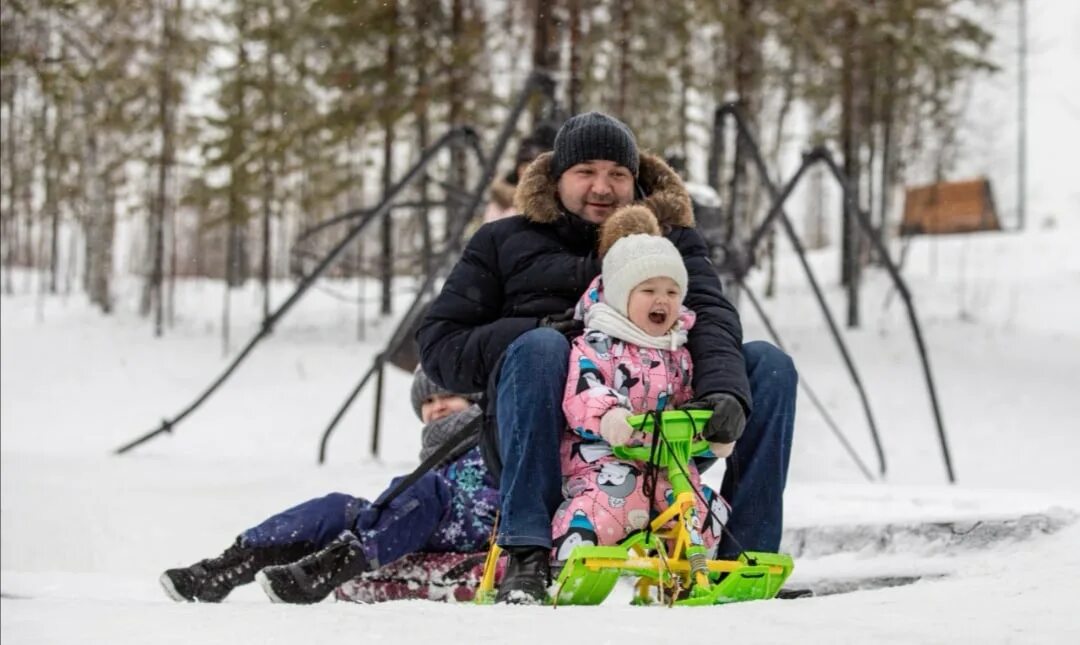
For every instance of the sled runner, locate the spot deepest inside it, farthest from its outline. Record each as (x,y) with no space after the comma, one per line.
(669,559)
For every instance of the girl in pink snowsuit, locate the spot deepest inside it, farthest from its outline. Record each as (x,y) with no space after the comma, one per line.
(631,359)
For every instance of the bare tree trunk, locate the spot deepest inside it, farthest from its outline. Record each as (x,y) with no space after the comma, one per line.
(746,64)
(50,207)
(44,143)
(622,45)
(457,86)
(421,116)
(387,235)
(816,233)
(357,158)
(52,173)
(28,255)
(165,163)
(41,256)
(685,80)
(269,184)
(236,272)
(888,177)
(715,172)
(103,249)
(849,132)
(386,258)
(574,84)
(361,279)
(888,172)
(13,174)
(146,300)
(264,275)
(868,111)
(545,53)
(849,146)
(787,98)
(225,317)
(88,174)
(71,264)
(174,237)
(198,247)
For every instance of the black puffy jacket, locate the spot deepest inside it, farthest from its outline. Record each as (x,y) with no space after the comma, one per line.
(516,270)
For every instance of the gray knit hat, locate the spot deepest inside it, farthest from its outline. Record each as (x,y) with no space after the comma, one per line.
(593,135)
(424,388)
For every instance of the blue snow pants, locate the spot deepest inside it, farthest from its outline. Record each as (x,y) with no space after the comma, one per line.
(449,509)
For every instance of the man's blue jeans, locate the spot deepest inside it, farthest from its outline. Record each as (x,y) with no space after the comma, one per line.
(530,421)
(757,470)
(528,410)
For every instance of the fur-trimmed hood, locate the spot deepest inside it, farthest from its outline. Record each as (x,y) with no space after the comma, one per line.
(667,197)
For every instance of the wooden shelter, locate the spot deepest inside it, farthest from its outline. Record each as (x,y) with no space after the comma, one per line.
(949,207)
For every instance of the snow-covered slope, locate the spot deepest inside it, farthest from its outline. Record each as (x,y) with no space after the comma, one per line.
(85,533)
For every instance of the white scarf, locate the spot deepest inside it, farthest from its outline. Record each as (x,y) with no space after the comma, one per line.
(603,317)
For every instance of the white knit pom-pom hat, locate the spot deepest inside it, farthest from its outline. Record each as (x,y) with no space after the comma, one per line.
(635,258)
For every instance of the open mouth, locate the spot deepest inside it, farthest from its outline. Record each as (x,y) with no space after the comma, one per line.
(657,317)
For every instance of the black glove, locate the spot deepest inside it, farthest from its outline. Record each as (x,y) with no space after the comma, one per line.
(564,323)
(728,419)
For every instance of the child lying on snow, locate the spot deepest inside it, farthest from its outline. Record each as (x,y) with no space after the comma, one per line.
(630,360)
(302,554)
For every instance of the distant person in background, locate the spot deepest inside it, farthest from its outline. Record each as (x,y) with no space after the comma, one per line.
(501,192)
(302,554)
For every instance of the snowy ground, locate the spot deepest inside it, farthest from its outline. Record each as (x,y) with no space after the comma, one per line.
(85,533)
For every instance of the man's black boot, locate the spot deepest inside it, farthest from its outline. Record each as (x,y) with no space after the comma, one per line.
(315,576)
(528,575)
(212,579)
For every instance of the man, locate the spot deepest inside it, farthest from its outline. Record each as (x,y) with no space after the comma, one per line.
(503,317)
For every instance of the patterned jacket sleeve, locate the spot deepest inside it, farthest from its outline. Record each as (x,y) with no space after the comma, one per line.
(588,392)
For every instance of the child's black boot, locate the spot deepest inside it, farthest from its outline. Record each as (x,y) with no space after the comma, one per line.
(212,579)
(315,576)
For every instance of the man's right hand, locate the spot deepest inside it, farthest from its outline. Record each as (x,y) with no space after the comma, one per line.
(564,323)
(726,424)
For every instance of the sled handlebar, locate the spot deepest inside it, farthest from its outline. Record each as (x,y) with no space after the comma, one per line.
(680,431)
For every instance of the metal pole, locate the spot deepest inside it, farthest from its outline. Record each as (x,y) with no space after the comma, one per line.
(778,198)
(377,421)
(825,156)
(778,203)
(381,211)
(829,421)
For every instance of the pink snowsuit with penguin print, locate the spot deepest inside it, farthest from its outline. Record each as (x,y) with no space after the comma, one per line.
(603,497)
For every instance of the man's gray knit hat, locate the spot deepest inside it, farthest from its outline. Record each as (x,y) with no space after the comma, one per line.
(590,136)
(424,388)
